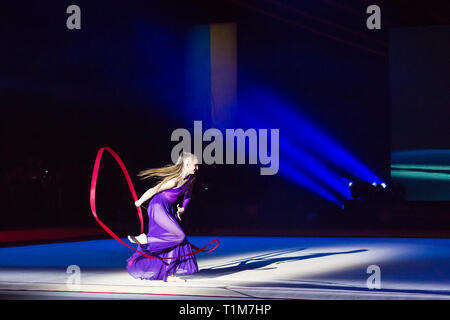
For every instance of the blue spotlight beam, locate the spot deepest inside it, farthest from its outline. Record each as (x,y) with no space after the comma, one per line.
(315,167)
(309,157)
(278,114)
(299,178)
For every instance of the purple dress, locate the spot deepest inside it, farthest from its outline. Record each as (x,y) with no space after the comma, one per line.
(165,239)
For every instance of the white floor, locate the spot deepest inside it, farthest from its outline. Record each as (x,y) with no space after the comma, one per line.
(240,268)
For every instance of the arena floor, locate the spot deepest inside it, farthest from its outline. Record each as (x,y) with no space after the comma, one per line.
(240,268)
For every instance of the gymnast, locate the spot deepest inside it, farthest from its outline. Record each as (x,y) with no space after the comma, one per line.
(165,238)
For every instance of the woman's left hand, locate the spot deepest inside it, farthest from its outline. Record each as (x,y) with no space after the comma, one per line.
(180,210)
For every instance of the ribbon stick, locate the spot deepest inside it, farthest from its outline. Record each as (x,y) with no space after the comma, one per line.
(133,194)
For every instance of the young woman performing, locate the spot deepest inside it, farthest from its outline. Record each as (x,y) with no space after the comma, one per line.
(165,238)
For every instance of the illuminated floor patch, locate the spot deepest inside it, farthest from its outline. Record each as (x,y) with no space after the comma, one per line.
(241,268)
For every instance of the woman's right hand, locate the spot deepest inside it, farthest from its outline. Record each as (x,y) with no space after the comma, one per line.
(137,203)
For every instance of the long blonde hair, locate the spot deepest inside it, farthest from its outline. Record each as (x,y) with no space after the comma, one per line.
(168,172)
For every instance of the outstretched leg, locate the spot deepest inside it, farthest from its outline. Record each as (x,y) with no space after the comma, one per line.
(163,231)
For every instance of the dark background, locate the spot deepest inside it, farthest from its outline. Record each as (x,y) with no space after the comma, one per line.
(120,82)
(420,87)
(420,104)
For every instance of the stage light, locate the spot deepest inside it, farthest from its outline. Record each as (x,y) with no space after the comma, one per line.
(362,190)
(350,184)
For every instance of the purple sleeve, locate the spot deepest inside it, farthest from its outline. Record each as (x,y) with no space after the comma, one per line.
(187,193)
(186,199)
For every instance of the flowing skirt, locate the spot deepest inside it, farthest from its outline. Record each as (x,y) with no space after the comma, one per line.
(165,239)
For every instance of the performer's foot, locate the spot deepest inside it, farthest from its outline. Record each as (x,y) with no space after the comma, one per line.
(140,239)
(173,278)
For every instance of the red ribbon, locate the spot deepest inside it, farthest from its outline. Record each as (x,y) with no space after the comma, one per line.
(133,194)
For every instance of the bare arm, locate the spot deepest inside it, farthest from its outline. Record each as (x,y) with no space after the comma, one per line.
(152,191)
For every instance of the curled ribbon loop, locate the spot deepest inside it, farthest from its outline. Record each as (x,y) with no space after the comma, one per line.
(133,194)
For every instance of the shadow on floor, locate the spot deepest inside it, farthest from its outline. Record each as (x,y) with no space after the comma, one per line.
(267,261)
